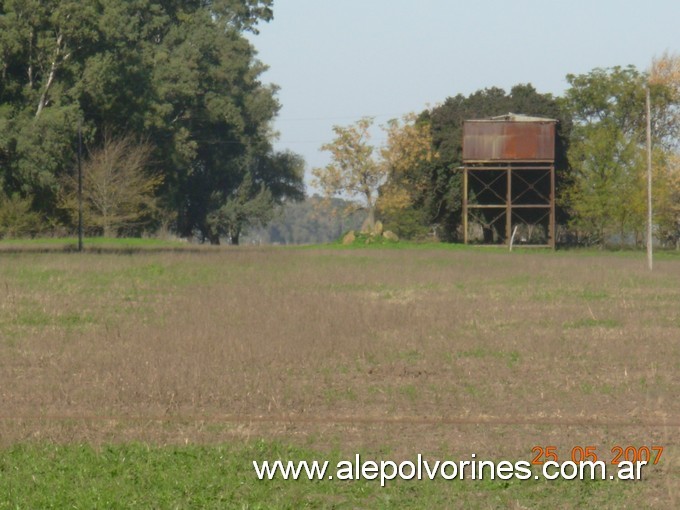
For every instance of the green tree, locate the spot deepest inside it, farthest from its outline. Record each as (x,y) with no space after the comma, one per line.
(606,192)
(16,217)
(273,179)
(178,73)
(42,45)
(246,206)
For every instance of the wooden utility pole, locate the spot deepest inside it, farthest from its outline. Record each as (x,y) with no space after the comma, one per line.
(650,255)
(80,187)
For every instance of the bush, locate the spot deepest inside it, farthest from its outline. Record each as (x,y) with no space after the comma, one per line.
(17,219)
(408,223)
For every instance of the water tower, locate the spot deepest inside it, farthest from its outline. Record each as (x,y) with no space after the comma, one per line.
(509,180)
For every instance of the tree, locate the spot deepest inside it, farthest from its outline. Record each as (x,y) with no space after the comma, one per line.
(177,73)
(16,217)
(211,114)
(248,205)
(664,78)
(665,75)
(666,194)
(315,220)
(606,192)
(42,44)
(406,155)
(273,179)
(118,193)
(353,170)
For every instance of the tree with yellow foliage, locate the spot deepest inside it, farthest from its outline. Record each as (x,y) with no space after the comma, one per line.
(353,171)
(409,145)
(407,154)
(390,182)
(665,75)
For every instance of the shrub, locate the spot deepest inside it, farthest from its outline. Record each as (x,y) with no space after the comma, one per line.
(17,219)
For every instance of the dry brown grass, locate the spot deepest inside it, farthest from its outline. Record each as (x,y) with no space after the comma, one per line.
(433,351)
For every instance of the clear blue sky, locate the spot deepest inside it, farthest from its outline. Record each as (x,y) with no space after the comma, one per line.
(339,60)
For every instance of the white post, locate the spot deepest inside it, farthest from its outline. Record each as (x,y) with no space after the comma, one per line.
(512,238)
(650,255)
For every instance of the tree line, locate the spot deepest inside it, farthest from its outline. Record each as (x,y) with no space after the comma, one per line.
(412,185)
(312,221)
(176,127)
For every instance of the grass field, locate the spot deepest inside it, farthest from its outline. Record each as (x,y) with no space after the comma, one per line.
(154,377)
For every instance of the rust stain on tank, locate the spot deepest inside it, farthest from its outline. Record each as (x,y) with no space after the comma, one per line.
(529,139)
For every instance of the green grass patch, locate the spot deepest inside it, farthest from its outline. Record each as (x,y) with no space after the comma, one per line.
(38,318)
(592,323)
(139,476)
(141,272)
(72,243)
(335,395)
(410,355)
(511,357)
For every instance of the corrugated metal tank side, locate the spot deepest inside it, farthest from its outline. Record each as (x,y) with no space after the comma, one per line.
(508,141)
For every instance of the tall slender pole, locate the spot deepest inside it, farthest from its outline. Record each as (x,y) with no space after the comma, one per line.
(650,255)
(80,187)
(508,207)
(465,205)
(552,228)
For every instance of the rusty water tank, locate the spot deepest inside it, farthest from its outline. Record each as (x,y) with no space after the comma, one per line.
(509,137)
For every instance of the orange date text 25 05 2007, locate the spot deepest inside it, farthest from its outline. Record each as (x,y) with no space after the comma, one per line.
(649,454)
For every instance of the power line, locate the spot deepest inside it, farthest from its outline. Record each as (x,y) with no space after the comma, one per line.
(377,141)
(309,119)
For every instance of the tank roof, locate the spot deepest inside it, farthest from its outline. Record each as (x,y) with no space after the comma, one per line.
(514,117)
